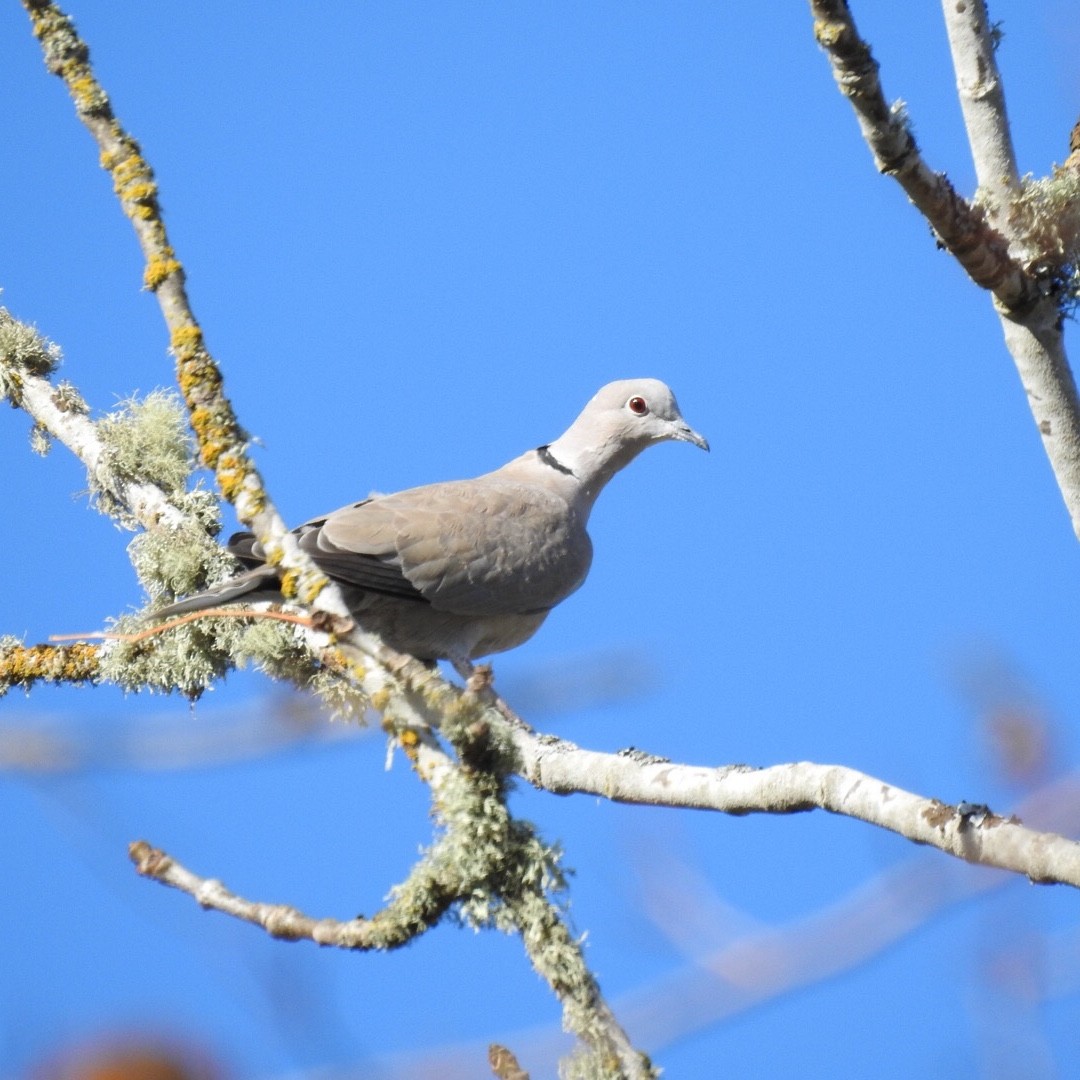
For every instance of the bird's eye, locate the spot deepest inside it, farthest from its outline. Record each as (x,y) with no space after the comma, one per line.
(638,405)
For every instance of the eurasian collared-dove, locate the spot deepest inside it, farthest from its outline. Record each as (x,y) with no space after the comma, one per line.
(462,569)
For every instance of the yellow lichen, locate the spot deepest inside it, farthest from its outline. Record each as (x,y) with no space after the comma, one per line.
(158,269)
(198,378)
(130,168)
(230,472)
(142,191)
(22,666)
(315,586)
(185,339)
(289,581)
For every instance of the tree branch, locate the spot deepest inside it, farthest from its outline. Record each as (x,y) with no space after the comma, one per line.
(1024,280)
(491,866)
(979,248)
(631,777)
(23,666)
(382,931)
(982,101)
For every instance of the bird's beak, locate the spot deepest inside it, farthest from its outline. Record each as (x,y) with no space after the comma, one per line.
(683,432)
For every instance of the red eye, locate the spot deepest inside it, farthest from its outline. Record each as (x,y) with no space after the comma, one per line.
(638,405)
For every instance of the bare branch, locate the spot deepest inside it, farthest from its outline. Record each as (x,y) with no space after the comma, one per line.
(1028,303)
(987,839)
(979,248)
(982,100)
(207,738)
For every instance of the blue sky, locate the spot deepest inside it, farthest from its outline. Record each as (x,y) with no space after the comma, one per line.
(419,237)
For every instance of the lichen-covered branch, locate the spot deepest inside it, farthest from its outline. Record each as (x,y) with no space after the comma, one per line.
(492,869)
(58,411)
(963,229)
(386,930)
(24,665)
(222,441)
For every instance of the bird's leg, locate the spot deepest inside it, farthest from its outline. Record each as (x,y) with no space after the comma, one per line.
(465,668)
(480,680)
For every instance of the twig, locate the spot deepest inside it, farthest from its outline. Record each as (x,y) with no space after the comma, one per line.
(183,620)
(387,930)
(1034,338)
(53,410)
(209,738)
(22,665)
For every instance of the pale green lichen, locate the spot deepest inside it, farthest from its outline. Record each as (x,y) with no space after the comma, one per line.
(189,659)
(147,440)
(23,351)
(1047,213)
(277,648)
(68,399)
(341,698)
(178,561)
(40,440)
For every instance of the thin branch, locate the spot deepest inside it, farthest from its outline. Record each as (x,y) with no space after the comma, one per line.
(207,739)
(986,839)
(761,963)
(491,865)
(1034,339)
(26,360)
(383,931)
(979,248)
(982,101)
(23,666)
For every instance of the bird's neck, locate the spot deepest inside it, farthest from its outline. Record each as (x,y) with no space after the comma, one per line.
(585,468)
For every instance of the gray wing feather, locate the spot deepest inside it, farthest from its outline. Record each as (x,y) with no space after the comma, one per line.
(474,547)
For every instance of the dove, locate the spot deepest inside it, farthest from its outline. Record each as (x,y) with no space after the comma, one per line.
(462,569)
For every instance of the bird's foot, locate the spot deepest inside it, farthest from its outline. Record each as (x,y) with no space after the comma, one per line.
(480,679)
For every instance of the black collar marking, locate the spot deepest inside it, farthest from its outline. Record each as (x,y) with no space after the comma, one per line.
(548,458)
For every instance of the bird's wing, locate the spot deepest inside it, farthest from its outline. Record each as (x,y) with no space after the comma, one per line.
(488,546)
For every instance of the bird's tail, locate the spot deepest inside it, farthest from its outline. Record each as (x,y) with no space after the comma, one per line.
(252,587)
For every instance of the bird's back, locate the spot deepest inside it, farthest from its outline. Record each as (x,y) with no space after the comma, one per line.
(500,547)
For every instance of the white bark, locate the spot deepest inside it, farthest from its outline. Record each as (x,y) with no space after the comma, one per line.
(982,101)
(988,839)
